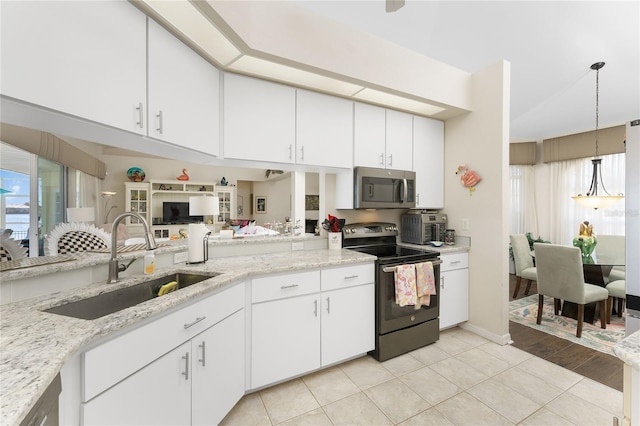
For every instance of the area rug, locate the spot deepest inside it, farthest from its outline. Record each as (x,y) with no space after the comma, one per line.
(524,311)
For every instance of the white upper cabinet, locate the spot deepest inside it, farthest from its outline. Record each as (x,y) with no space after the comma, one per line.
(399,133)
(324,130)
(259,120)
(382,138)
(428,162)
(87,59)
(183,94)
(369,136)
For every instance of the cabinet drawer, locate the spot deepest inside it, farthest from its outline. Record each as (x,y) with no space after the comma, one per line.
(454,261)
(347,276)
(285,285)
(107,364)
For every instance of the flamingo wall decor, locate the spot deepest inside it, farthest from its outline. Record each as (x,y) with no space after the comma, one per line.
(468,178)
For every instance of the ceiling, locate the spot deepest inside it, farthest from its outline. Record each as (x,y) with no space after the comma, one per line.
(549,44)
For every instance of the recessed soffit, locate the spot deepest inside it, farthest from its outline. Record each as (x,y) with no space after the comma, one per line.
(282,42)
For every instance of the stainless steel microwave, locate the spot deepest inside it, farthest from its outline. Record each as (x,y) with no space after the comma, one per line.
(384,189)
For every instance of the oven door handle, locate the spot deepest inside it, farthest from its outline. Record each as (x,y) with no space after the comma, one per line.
(393,268)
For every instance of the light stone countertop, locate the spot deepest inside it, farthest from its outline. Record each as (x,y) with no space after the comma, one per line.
(444,249)
(628,350)
(34,345)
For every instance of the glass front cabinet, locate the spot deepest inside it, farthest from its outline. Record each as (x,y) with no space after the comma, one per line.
(227,196)
(137,200)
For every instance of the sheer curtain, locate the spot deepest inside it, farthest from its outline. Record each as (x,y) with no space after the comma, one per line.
(523,200)
(569,178)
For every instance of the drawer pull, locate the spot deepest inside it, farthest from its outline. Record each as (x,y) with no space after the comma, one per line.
(289,286)
(351,277)
(442,282)
(197,320)
(453,262)
(185,373)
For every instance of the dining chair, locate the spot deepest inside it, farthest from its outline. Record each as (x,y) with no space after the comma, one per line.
(523,261)
(10,249)
(618,290)
(560,275)
(611,250)
(74,237)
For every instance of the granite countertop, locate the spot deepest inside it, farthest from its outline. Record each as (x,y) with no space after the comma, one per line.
(35,345)
(444,249)
(628,350)
(86,259)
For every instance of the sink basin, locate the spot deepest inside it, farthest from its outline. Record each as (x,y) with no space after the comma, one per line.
(114,301)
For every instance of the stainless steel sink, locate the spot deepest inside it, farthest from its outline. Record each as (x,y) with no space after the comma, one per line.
(114,301)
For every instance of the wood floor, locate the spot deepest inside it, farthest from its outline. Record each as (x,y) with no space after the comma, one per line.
(598,366)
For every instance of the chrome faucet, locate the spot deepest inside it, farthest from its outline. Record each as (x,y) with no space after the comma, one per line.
(114,267)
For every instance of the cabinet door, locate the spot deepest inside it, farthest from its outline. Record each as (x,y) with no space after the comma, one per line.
(259,120)
(218,370)
(285,336)
(71,57)
(324,130)
(399,140)
(368,136)
(348,321)
(454,297)
(158,394)
(428,162)
(183,94)
(227,204)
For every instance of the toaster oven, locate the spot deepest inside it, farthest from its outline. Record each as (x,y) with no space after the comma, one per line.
(418,227)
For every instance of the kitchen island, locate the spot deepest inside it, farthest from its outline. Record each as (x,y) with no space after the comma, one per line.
(36,345)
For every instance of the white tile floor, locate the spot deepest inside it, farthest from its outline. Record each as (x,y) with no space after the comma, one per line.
(462,379)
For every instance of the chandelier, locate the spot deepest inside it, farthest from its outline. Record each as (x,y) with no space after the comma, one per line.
(592,199)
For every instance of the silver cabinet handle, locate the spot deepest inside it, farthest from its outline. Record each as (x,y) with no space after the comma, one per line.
(315,307)
(442,282)
(381,159)
(159,128)
(328,305)
(290,151)
(203,353)
(185,373)
(140,123)
(197,320)
(289,286)
(390,160)
(302,153)
(453,262)
(350,277)
(417,198)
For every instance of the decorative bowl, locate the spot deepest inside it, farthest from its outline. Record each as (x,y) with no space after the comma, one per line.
(136,174)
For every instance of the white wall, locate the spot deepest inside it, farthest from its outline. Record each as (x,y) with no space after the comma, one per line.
(481,141)
(278,193)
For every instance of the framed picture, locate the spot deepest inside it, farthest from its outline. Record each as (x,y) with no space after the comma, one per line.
(312,202)
(261,204)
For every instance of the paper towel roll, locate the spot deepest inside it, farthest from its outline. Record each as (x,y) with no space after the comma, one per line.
(197,231)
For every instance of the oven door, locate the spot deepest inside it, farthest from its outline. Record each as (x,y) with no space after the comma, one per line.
(389,315)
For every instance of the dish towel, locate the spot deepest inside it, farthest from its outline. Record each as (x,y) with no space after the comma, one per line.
(405,282)
(425,283)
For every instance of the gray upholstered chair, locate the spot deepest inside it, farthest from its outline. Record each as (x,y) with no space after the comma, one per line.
(611,250)
(617,289)
(560,275)
(524,262)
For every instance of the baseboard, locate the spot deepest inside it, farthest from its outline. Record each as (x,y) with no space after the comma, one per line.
(504,339)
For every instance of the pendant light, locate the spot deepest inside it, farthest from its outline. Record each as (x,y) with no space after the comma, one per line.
(595,198)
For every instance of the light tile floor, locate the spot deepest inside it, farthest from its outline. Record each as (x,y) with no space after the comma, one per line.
(462,379)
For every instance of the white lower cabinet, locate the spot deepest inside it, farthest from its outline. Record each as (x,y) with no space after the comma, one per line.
(348,323)
(156,395)
(454,289)
(285,339)
(196,381)
(303,321)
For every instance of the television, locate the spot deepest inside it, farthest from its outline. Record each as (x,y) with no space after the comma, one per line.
(178,213)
